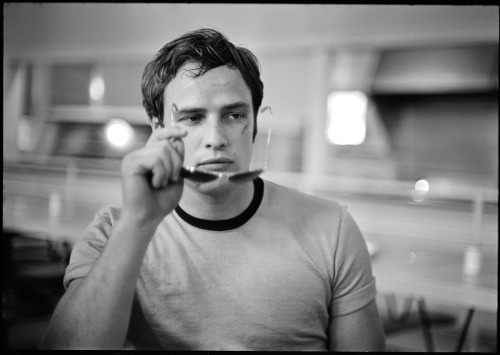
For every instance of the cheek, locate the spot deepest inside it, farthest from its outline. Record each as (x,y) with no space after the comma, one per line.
(246,141)
(247,130)
(190,149)
(245,136)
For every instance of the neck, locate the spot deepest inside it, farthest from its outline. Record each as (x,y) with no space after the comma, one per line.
(216,204)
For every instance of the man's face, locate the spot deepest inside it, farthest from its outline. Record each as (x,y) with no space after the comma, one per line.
(216,111)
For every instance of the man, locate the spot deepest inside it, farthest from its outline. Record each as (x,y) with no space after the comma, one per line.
(213,265)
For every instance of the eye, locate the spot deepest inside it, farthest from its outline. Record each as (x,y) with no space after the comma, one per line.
(236,116)
(190,120)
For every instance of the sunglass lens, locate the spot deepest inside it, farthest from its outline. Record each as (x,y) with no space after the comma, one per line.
(197,175)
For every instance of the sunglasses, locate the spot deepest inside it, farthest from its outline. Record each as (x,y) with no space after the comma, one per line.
(199,175)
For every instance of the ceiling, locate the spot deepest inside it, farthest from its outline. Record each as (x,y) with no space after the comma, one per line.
(53,29)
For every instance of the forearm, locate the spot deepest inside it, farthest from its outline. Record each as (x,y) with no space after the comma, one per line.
(96,313)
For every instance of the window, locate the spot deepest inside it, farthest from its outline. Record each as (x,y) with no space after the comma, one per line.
(347,117)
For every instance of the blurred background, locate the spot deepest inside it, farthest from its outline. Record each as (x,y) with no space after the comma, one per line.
(390,110)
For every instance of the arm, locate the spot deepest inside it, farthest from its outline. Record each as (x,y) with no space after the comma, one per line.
(357,331)
(355,323)
(95,311)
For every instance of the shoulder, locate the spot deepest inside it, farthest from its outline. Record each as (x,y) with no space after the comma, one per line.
(90,243)
(108,214)
(311,213)
(294,199)
(100,227)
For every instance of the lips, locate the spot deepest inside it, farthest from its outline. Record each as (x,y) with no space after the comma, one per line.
(221,163)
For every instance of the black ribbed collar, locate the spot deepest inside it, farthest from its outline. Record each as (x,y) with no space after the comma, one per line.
(227,224)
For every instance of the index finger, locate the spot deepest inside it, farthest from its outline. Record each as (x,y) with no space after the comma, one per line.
(179,146)
(166,133)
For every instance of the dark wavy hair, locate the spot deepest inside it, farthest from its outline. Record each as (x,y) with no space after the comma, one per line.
(207,48)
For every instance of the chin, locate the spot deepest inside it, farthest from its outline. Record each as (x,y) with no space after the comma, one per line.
(219,186)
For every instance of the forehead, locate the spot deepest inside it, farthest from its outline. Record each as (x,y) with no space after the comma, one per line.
(219,86)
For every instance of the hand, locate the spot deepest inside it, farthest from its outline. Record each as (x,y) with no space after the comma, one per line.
(151,181)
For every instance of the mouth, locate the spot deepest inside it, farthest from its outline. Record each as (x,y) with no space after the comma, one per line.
(216,164)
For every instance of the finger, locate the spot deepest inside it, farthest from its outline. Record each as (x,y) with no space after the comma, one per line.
(171,132)
(177,161)
(158,176)
(164,156)
(166,133)
(156,160)
(179,148)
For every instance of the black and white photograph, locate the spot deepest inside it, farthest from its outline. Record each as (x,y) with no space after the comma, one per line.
(250,177)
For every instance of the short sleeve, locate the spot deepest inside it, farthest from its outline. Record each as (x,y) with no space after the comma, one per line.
(354,284)
(90,244)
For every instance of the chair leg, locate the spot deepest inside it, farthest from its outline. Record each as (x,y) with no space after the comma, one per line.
(465,328)
(392,312)
(426,325)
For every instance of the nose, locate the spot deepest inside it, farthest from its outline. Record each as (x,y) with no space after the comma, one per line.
(215,135)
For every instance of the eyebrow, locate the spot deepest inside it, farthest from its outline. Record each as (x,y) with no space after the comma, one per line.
(236,105)
(194,109)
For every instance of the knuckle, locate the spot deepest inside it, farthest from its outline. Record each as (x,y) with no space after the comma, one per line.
(157,161)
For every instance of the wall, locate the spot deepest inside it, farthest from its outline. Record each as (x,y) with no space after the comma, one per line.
(293,43)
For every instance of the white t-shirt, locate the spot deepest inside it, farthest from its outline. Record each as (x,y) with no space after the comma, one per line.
(268,279)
